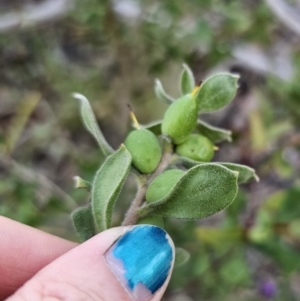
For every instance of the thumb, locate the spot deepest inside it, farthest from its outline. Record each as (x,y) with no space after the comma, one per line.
(124,263)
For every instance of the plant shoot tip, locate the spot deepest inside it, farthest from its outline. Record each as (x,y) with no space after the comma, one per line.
(194,92)
(133,118)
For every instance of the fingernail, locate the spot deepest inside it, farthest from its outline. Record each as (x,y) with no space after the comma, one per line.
(141,260)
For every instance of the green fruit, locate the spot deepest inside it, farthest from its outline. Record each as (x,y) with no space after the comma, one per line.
(152,220)
(145,150)
(162,184)
(196,147)
(180,119)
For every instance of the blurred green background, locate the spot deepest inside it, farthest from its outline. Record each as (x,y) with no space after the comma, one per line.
(111,52)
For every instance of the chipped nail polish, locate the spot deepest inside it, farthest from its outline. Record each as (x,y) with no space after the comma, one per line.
(141,260)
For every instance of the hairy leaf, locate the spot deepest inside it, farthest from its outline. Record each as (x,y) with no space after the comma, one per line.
(213,133)
(83,222)
(216,92)
(161,94)
(204,190)
(91,124)
(82,184)
(246,173)
(181,256)
(107,185)
(187,80)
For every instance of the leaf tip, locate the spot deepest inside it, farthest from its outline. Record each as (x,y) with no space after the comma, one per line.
(123,147)
(76,180)
(157,82)
(236,173)
(80,97)
(185,66)
(236,78)
(81,183)
(235,75)
(181,256)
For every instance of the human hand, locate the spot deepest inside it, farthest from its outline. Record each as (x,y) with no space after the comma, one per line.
(124,263)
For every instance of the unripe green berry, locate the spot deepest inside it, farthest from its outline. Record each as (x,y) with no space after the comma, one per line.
(145,150)
(180,119)
(162,184)
(196,147)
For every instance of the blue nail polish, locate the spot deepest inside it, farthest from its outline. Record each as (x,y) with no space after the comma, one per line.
(142,259)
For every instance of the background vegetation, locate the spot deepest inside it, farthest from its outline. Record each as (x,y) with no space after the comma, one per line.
(112,52)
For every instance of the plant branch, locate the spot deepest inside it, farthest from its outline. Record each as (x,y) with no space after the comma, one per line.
(131,217)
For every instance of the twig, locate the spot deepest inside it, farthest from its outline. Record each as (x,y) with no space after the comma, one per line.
(131,216)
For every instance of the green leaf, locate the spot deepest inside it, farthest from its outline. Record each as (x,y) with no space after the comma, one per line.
(91,124)
(154,127)
(245,173)
(161,94)
(82,184)
(202,191)
(107,185)
(216,92)
(187,80)
(213,133)
(83,222)
(181,256)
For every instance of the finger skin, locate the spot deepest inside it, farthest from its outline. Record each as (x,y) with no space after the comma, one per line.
(23,252)
(81,274)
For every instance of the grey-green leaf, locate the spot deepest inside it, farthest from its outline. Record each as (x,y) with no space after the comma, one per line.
(82,184)
(154,127)
(107,185)
(187,80)
(213,133)
(204,190)
(181,256)
(91,124)
(161,94)
(83,222)
(216,92)
(245,173)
